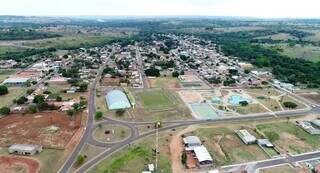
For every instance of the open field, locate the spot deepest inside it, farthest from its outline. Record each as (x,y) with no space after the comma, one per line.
(111,133)
(290,138)
(6,48)
(290,99)
(249,109)
(164,82)
(226,147)
(18,164)
(308,52)
(4,74)
(33,129)
(58,89)
(50,160)
(264,91)
(280,36)
(14,92)
(280,169)
(311,95)
(135,158)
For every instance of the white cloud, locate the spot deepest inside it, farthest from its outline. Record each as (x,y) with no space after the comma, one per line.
(254,8)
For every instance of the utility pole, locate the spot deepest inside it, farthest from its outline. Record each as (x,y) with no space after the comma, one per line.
(157,147)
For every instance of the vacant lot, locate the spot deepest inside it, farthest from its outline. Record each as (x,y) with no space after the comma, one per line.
(290,138)
(290,99)
(50,160)
(280,169)
(164,82)
(14,92)
(136,158)
(264,92)
(226,147)
(33,129)
(4,74)
(311,95)
(58,89)
(18,164)
(249,109)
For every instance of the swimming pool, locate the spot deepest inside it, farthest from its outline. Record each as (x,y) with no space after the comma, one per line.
(204,111)
(236,99)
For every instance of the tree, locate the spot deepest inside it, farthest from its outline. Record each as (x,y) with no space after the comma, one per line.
(184,158)
(4,111)
(290,105)
(33,109)
(243,103)
(80,159)
(29,91)
(38,99)
(21,100)
(175,74)
(3,90)
(152,72)
(83,87)
(98,115)
(58,98)
(71,112)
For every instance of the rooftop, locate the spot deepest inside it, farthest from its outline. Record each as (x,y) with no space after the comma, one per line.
(116,99)
(202,154)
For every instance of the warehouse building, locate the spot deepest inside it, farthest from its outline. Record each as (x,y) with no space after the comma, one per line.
(203,156)
(190,142)
(24,149)
(245,136)
(16,81)
(116,100)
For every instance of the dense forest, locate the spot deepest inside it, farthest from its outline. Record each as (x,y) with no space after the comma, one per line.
(21,34)
(295,71)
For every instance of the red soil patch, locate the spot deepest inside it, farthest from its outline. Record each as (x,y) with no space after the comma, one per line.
(32,129)
(10,164)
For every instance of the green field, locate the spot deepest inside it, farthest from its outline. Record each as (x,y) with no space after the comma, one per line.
(4,74)
(291,137)
(14,92)
(5,48)
(280,36)
(155,98)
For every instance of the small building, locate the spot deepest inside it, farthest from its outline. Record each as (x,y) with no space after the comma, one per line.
(116,100)
(311,127)
(265,143)
(16,81)
(245,136)
(203,156)
(190,142)
(25,149)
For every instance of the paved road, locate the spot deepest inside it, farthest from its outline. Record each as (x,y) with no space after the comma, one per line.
(252,167)
(88,129)
(177,124)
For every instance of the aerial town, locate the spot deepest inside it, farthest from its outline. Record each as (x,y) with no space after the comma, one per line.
(171,102)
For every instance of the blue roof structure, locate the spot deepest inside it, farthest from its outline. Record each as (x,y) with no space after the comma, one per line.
(116,99)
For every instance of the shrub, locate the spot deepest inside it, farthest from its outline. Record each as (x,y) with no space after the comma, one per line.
(272,136)
(290,105)
(3,90)
(98,115)
(4,111)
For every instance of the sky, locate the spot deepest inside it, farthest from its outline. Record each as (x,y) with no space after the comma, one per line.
(242,8)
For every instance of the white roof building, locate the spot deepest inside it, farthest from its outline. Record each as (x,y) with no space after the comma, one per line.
(245,136)
(24,149)
(202,154)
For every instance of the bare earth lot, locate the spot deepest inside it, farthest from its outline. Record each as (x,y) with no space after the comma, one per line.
(18,164)
(33,129)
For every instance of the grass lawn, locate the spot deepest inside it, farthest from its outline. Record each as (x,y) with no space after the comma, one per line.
(136,158)
(120,133)
(5,48)
(279,169)
(50,160)
(156,98)
(69,42)
(57,89)
(290,99)
(14,92)
(249,109)
(264,91)
(226,148)
(165,82)
(279,36)
(4,74)
(291,137)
